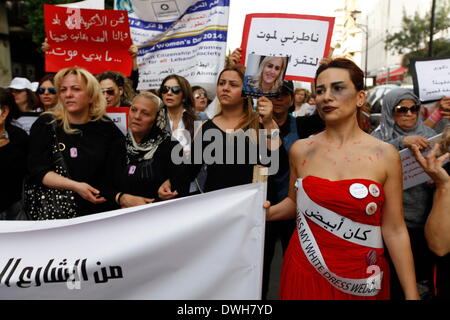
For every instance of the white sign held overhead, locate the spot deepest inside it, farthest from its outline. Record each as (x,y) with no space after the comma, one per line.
(305,39)
(431,78)
(87,4)
(184,37)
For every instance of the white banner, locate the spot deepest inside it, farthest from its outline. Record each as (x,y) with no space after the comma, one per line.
(208,246)
(413,173)
(304,38)
(184,37)
(87,4)
(431,77)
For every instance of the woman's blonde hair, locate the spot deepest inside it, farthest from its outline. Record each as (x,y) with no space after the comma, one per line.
(97,107)
(279,81)
(250,120)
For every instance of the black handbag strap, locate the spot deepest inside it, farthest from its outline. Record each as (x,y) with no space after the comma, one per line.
(56,149)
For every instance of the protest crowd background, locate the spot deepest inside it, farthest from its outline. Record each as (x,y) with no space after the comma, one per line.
(102,130)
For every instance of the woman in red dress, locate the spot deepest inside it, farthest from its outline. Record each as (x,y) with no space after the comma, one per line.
(346,191)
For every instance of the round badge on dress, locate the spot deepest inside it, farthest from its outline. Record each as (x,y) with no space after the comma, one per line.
(372,258)
(73,152)
(359,191)
(371,208)
(374,190)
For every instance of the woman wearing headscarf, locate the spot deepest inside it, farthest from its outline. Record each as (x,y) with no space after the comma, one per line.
(402,127)
(140,165)
(400,124)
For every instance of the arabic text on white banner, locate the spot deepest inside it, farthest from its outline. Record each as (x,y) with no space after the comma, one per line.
(208,246)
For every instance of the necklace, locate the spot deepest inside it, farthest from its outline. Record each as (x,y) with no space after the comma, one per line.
(4,135)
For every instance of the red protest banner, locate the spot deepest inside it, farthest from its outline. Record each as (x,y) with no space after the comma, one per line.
(97,40)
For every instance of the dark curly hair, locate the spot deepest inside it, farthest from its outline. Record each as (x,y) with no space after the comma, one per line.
(7,99)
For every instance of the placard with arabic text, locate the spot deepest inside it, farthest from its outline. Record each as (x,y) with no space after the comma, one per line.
(305,39)
(97,40)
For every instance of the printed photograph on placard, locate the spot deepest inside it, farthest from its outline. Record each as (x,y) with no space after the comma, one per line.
(264,75)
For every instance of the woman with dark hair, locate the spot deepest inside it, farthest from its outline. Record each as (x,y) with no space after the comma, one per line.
(236,121)
(176,94)
(23,91)
(201,98)
(13,158)
(344,211)
(46,92)
(116,88)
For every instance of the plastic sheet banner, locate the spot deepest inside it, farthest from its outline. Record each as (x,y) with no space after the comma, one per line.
(97,40)
(184,37)
(208,246)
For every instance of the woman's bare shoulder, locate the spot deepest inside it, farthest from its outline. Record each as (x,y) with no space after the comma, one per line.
(304,146)
(385,150)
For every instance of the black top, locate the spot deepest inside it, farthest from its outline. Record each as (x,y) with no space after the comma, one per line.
(278,185)
(85,154)
(308,125)
(229,163)
(13,164)
(143,178)
(443,277)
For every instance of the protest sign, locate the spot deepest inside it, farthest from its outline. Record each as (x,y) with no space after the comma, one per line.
(86,4)
(431,78)
(208,246)
(97,40)
(305,39)
(119,115)
(413,173)
(184,37)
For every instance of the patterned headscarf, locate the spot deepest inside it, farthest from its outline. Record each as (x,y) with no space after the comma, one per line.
(145,150)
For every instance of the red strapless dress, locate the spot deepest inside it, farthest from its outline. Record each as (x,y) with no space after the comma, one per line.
(299,278)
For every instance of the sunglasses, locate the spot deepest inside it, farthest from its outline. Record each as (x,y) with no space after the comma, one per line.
(199,95)
(109,92)
(174,89)
(402,109)
(17,90)
(50,90)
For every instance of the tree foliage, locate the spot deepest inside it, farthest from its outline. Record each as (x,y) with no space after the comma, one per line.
(34,10)
(415,30)
(441,48)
